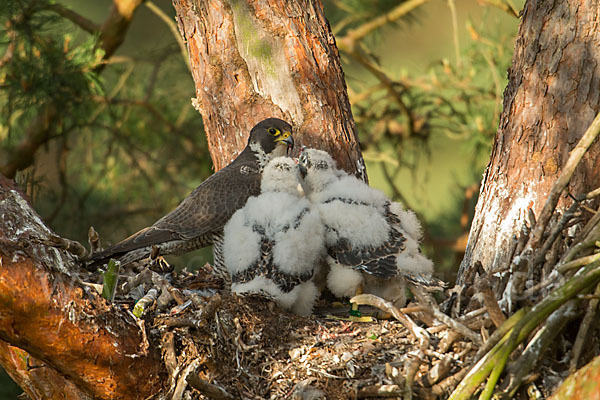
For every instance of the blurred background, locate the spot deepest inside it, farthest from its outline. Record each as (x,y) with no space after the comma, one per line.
(426,92)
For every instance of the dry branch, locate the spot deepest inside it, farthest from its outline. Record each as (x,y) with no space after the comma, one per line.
(582,334)
(492,364)
(47,312)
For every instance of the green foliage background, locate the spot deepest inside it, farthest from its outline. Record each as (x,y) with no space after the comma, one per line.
(128,146)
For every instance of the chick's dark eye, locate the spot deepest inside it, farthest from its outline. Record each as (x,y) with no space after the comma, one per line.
(273,131)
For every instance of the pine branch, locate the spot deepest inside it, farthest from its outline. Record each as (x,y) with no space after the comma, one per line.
(39,132)
(79,20)
(349,41)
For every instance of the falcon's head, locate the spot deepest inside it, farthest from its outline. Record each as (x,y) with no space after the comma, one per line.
(317,168)
(273,136)
(281,175)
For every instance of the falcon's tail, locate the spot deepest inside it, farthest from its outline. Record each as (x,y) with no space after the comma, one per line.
(133,248)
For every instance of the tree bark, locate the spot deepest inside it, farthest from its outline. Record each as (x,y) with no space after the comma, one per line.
(53,329)
(553,94)
(254,59)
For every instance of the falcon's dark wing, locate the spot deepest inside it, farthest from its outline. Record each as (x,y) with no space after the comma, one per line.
(203,213)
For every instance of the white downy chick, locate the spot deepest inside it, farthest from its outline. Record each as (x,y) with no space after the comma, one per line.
(372,243)
(273,245)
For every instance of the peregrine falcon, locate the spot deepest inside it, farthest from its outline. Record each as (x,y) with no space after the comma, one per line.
(372,243)
(273,245)
(199,219)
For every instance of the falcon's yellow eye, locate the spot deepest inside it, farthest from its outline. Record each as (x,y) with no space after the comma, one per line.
(274,131)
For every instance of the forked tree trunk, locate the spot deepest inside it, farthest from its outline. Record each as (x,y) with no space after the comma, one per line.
(553,95)
(254,59)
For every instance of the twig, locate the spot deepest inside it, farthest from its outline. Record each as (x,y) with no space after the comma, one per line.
(326,374)
(450,337)
(585,238)
(69,245)
(144,276)
(379,391)
(168,349)
(592,194)
(536,347)
(93,241)
(444,386)
(580,262)
(357,34)
(418,333)
(490,303)
(439,370)
(452,7)
(425,298)
(504,6)
(554,234)
(561,183)
(582,334)
(79,20)
(493,362)
(182,380)
(173,28)
(168,292)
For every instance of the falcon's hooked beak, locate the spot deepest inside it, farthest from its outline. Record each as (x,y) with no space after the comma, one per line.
(288,139)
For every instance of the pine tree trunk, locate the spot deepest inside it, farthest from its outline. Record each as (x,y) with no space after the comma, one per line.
(252,60)
(553,95)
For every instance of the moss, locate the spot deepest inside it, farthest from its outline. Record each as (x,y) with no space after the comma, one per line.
(251,38)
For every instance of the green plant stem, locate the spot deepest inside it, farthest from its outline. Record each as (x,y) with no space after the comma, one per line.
(493,363)
(500,332)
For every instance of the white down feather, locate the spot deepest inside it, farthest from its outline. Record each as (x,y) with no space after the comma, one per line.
(273,215)
(241,245)
(300,300)
(409,221)
(360,225)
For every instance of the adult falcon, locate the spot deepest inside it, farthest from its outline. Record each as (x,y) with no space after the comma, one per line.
(199,219)
(274,244)
(372,243)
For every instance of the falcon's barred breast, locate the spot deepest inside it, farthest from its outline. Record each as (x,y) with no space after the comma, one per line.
(199,219)
(274,243)
(372,243)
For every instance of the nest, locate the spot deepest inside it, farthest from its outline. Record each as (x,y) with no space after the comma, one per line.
(223,346)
